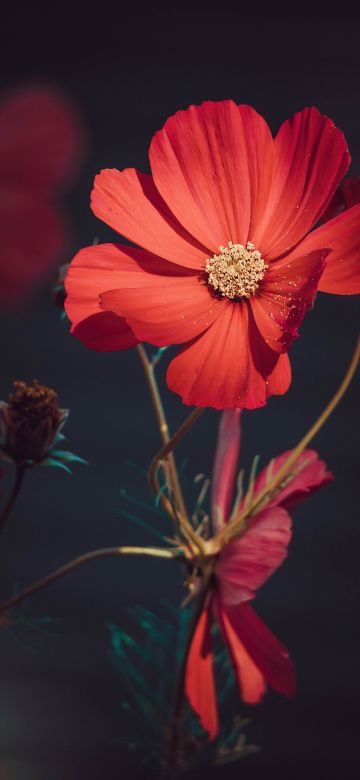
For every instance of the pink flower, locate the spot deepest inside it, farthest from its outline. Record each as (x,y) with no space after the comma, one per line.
(39,147)
(244,564)
(228,267)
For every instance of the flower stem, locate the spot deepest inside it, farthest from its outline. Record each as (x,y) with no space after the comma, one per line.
(237,524)
(178,518)
(105,552)
(19,477)
(162,423)
(173,740)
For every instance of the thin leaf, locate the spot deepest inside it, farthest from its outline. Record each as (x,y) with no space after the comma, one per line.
(56,464)
(140,522)
(68,457)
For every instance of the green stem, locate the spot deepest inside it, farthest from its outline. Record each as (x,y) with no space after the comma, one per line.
(162,423)
(172,746)
(105,552)
(179,519)
(19,477)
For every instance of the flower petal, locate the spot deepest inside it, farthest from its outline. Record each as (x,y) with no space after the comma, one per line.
(129,202)
(288,290)
(278,382)
(105,332)
(342,236)
(307,474)
(249,560)
(270,657)
(250,679)
(92,270)
(310,159)
(212,164)
(225,466)
(103,267)
(199,677)
(229,365)
(175,309)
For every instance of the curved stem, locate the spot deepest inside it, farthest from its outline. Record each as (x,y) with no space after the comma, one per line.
(154,392)
(236,524)
(19,477)
(105,552)
(170,445)
(179,519)
(162,423)
(174,734)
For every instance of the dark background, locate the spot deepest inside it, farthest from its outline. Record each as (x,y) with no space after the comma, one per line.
(127,69)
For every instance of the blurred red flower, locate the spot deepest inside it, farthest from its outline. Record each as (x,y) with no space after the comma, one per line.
(243,566)
(227,266)
(39,147)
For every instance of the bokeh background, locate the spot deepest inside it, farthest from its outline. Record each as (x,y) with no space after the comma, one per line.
(126,69)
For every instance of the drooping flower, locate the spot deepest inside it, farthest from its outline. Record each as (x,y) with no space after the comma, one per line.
(243,565)
(39,148)
(228,266)
(30,427)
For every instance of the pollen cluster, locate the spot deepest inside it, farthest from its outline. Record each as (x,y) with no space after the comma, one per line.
(236,271)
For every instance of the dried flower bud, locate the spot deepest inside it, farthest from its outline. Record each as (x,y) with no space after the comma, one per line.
(30,422)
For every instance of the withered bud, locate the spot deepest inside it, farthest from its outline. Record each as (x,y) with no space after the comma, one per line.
(30,422)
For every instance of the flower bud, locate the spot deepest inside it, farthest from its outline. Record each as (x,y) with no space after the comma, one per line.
(30,422)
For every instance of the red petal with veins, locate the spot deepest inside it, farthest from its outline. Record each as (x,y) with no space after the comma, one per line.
(250,679)
(175,309)
(310,474)
(162,303)
(229,365)
(105,332)
(212,164)
(225,466)
(287,292)
(249,560)
(199,677)
(342,236)
(310,159)
(269,656)
(129,202)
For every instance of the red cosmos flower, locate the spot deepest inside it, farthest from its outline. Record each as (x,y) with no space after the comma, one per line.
(39,144)
(227,267)
(243,565)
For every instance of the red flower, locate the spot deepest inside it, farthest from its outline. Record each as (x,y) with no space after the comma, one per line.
(39,144)
(243,565)
(218,177)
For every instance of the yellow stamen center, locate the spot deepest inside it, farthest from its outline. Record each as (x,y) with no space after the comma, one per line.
(236,271)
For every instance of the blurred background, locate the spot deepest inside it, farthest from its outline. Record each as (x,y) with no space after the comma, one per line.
(122,70)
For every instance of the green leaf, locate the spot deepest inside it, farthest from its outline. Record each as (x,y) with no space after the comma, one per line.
(58,438)
(56,464)
(140,522)
(156,357)
(68,457)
